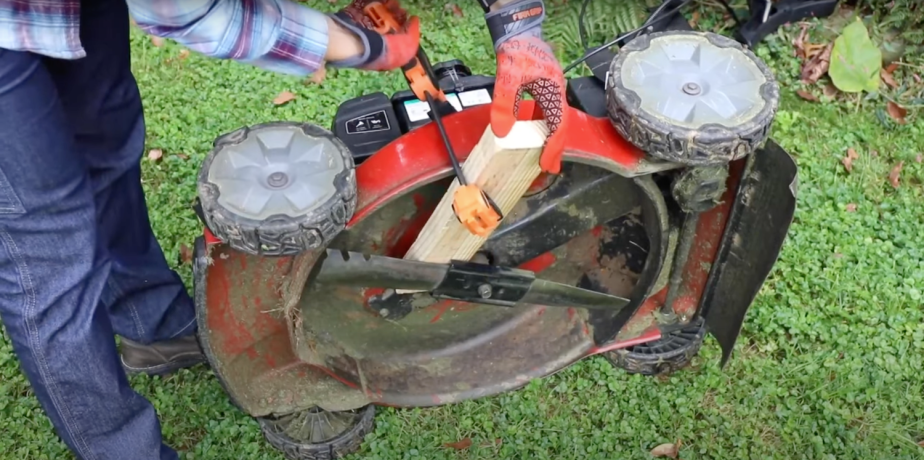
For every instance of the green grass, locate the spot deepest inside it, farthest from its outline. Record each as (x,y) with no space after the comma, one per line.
(828,365)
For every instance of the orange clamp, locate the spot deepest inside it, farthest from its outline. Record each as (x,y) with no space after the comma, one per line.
(475,210)
(414,71)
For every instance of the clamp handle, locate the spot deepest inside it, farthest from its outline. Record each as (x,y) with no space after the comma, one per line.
(418,72)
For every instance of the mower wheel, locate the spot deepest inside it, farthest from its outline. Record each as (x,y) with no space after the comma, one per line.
(277,189)
(666,355)
(694,98)
(317,434)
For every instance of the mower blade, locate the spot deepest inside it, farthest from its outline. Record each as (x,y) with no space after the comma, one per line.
(506,287)
(362,270)
(549,293)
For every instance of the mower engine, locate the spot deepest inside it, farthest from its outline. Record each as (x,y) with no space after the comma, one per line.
(670,210)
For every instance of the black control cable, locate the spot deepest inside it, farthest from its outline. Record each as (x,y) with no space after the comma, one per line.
(652,19)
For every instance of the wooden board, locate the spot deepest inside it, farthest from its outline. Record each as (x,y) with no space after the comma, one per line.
(504,168)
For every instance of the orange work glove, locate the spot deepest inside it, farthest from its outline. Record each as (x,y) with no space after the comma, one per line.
(382,52)
(525,62)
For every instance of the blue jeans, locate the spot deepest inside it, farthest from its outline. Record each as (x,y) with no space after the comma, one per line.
(78,260)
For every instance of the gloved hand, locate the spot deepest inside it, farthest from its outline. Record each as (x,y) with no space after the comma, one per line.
(525,62)
(382,52)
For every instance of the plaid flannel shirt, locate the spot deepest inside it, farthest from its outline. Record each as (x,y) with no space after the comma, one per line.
(277,35)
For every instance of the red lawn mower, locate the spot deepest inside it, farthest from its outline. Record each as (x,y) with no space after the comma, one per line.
(669,212)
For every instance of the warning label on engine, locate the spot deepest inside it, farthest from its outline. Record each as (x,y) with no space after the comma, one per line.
(368,123)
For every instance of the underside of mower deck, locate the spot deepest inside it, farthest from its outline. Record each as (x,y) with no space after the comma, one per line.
(669,236)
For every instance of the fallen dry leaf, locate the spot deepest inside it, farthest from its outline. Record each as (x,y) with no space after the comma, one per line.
(694,19)
(847,161)
(917,78)
(897,112)
(157,41)
(283,97)
(184,53)
(806,95)
(318,76)
(667,450)
(155,154)
(895,174)
(799,42)
(186,254)
(891,67)
(851,207)
(456,11)
(888,79)
(816,67)
(182,156)
(830,91)
(463,444)
(919,158)
(921,443)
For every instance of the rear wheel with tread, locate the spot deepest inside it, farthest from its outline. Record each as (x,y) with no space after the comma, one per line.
(277,189)
(317,434)
(694,98)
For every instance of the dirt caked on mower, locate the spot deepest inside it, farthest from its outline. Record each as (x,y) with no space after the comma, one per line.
(356,267)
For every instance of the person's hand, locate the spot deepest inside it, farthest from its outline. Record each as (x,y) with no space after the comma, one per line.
(379,52)
(526,63)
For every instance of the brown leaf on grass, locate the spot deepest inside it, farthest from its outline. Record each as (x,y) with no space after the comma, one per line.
(847,161)
(851,207)
(462,444)
(888,79)
(816,67)
(897,112)
(157,41)
(921,443)
(182,156)
(807,95)
(830,91)
(694,19)
(184,53)
(186,254)
(155,154)
(917,78)
(895,174)
(456,11)
(919,158)
(670,450)
(283,97)
(799,42)
(317,77)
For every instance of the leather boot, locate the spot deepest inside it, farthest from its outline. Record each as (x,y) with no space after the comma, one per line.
(161,357)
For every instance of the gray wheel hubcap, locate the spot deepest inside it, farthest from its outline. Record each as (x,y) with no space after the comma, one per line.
(276,170)
(691,82)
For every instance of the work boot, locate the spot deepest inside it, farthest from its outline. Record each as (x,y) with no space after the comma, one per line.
(161,357)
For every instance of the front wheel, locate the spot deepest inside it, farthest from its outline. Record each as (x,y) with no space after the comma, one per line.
(316,434)
(666,355)
(277,189)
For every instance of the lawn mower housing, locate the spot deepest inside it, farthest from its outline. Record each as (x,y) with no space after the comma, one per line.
(686,231)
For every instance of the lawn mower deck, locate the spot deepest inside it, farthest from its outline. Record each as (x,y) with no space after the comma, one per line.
(685,233)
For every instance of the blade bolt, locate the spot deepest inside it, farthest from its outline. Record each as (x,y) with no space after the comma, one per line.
(485,291)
